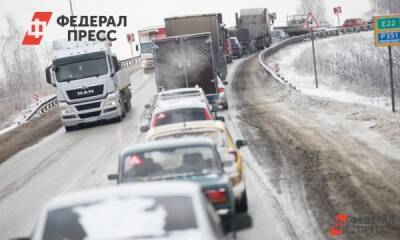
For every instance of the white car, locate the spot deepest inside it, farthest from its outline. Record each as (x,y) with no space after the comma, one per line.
(154,210)
(178,110)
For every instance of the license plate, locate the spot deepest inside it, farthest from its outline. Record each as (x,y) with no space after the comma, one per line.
(91,119)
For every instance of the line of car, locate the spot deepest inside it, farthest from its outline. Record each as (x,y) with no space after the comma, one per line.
(185,181)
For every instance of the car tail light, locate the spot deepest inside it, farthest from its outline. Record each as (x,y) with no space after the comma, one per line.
(217,196)
(234,153)
(207,115)
(221,89)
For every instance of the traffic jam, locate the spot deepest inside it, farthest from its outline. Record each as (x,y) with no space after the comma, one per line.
(186,179)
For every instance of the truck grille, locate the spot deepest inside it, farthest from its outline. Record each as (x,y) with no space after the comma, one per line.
(91,114)
(85,92)
(87,106)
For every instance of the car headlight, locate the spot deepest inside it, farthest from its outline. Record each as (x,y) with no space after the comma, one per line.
(66,109)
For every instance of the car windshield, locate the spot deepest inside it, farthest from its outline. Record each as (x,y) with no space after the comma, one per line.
(216,135)
(82,66)
(169,163)
(146,47)
(123,218)
(181,115)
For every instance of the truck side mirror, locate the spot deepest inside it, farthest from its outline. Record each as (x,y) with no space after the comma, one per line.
(137,48)
(48,74)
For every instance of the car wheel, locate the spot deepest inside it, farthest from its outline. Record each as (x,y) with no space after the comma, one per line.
(242,206)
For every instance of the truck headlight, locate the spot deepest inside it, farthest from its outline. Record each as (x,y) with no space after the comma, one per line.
(111,100)
(66,109)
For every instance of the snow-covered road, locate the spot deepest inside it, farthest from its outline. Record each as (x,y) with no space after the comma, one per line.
(64,162)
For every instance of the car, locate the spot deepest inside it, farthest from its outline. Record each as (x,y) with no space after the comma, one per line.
(189,159)
(237,50)
(278,35)
(155,210)
(179,110)
(217,131)
(354,22)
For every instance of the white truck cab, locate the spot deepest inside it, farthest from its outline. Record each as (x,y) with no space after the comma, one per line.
(89,82)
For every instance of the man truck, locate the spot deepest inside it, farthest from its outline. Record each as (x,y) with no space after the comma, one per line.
(205,23)
(146,35)
(89,82)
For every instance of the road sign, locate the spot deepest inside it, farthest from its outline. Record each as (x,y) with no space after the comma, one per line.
(387,30)
(337,10)
(130,37)
(311,22)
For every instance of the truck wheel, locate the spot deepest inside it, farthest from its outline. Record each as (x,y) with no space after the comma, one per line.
(242,206)
(128,105)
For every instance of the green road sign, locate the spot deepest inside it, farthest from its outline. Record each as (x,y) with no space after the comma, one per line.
(387,30)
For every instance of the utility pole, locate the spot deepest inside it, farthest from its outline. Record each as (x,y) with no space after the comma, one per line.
(71,9)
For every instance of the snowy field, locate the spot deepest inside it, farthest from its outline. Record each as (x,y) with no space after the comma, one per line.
(350,69)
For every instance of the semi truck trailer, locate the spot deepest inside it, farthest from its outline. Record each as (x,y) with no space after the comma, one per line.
(211,23)
(89,82)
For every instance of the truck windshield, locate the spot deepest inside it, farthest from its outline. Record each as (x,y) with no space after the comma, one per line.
(82,66)
(146,47)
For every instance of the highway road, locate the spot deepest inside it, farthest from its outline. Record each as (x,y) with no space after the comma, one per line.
(65,162)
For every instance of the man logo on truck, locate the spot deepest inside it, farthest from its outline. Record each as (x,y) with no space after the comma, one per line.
(85,91)
(34,34)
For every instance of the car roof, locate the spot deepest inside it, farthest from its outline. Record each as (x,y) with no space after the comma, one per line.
(181,90)
(149,189)
(178,127)
(170,143)
(178,103)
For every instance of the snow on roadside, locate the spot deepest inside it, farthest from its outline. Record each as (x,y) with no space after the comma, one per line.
(329,87)
(20,118)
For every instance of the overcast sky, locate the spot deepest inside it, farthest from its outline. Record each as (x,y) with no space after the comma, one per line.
(152,12)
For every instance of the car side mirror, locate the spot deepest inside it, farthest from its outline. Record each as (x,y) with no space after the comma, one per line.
(144,128)
(240,143)
(241,221)
(48,74)
(222,119)
(147,106)
(225,83)
(112,177)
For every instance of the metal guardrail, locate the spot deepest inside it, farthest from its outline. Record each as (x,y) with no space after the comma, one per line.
(52,101)
(302,38)
(130,61)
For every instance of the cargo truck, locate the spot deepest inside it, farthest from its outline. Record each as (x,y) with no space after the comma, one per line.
(89,83)
(204,23)
(186,61)
(254,29)
(146,35)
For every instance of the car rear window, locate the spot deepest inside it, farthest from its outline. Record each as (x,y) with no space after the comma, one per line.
(122,217)
(181,115)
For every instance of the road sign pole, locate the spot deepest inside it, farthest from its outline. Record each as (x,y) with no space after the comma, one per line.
(338,19)
(131,49)
(391,78)
(315,62)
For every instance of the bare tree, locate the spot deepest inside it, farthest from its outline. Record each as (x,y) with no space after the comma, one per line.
(385,6)
(316,7)
(21,68)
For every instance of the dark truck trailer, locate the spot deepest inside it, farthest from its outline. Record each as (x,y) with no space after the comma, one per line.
(254,28)
(186,61)
(203,23)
